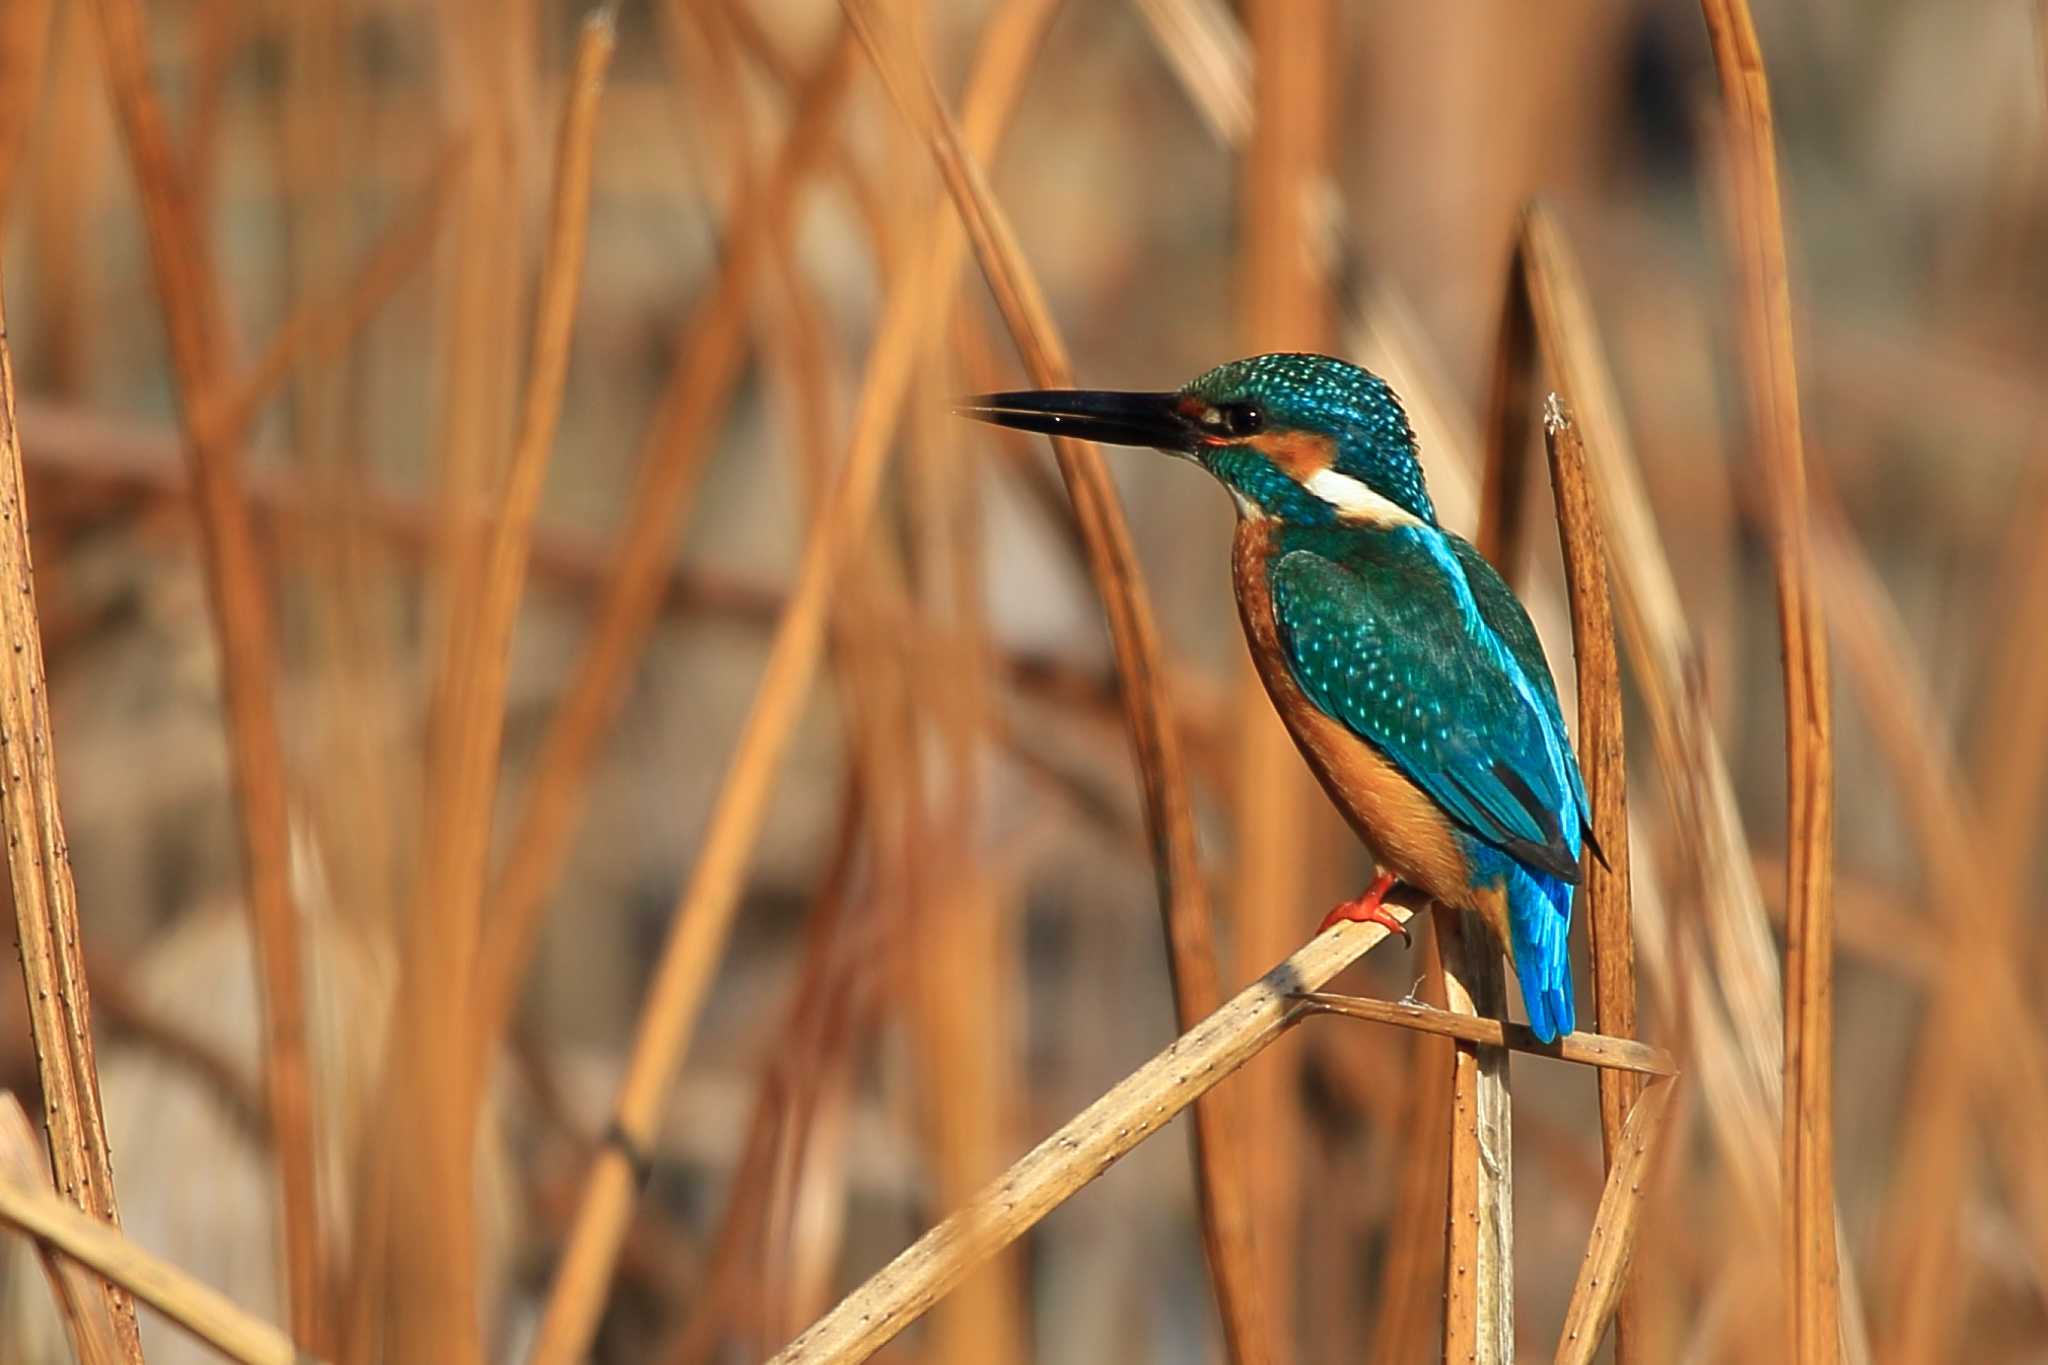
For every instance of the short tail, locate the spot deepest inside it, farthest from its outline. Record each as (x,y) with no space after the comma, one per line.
(1539,922)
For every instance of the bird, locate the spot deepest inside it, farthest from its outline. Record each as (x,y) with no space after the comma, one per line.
(1403,666)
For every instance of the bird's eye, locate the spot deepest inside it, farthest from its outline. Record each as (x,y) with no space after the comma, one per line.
(1234,419)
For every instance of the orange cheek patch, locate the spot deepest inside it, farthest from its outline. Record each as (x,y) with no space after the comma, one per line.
(1298,454)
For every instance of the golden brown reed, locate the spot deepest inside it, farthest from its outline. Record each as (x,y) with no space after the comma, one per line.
(703,913)
(82,1297)
(189,293)
(73,1239)
(46,922)
(1284,172)
(1226,1216)
(1757,217)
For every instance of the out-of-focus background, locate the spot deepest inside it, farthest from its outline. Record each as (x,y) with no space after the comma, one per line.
(947,939)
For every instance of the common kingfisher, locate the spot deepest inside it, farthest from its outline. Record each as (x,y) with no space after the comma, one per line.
(1403,666)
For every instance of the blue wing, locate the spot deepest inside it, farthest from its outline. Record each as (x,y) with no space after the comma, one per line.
(1396,636)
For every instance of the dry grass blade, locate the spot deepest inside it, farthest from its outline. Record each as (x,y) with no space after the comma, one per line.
(39,869)
(326,324)
(1604,1273)
(81,1295)
(691,410)
(703,914)
(24,41)
(1139,1106)
(184,1300)
(1815,1332)
(1285,305)
(1112,563)
(1603,756)
(1620,1056)
(465,765)
(1981,995)
(441,1054)
(241,610)
(1208,52)
(1479,1217)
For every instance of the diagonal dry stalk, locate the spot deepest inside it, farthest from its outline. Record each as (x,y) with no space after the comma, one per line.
(704,910)
(81,1296)
(193,315)
(324,325)
(39,870)
(1758,220)
(690,411)
(1137,1107)
(1603,758)
(1603,1276)
(1169,821)
(1143,1103)
(200,1310)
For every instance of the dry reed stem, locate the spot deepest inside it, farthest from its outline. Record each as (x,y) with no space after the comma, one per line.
(1208,52)
(48,938)
(241,610)
(1226,1220)
(1603,755)
(24,46)
(1083,1149)
(474,710)
(1730,996)
(1411,1277)
(1980,996)
(1814,1328)
(200,1310)
(688,416)
(440,1054)
(1284,306)
(1479,1216)
(324,325)
(1621,1056)
(703,914)
(80,1295)
(1603,1275)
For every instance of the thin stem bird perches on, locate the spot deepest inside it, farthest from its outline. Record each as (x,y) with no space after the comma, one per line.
(1145,1101)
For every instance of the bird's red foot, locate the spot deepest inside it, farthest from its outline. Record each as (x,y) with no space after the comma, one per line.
(1370,908)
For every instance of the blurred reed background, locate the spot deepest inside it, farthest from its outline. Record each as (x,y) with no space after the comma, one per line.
(502,548)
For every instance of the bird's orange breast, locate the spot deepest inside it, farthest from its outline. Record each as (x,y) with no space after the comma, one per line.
(1408,832)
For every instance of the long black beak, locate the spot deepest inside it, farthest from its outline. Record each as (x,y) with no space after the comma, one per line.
(1123,419)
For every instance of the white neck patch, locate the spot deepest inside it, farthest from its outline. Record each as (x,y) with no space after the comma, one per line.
(1356,501)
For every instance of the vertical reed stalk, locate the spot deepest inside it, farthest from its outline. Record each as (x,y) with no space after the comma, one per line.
(1285,307)
(82,1297)
(39,870)
(704,910)
(193,313)
(1184,905)
(690,412)
(1809,1157)
(1603,756)
(24,45)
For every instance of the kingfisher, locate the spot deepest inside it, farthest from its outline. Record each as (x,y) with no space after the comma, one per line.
(1405,669)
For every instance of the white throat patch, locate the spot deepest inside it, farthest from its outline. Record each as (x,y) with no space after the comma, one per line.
(1355,501)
